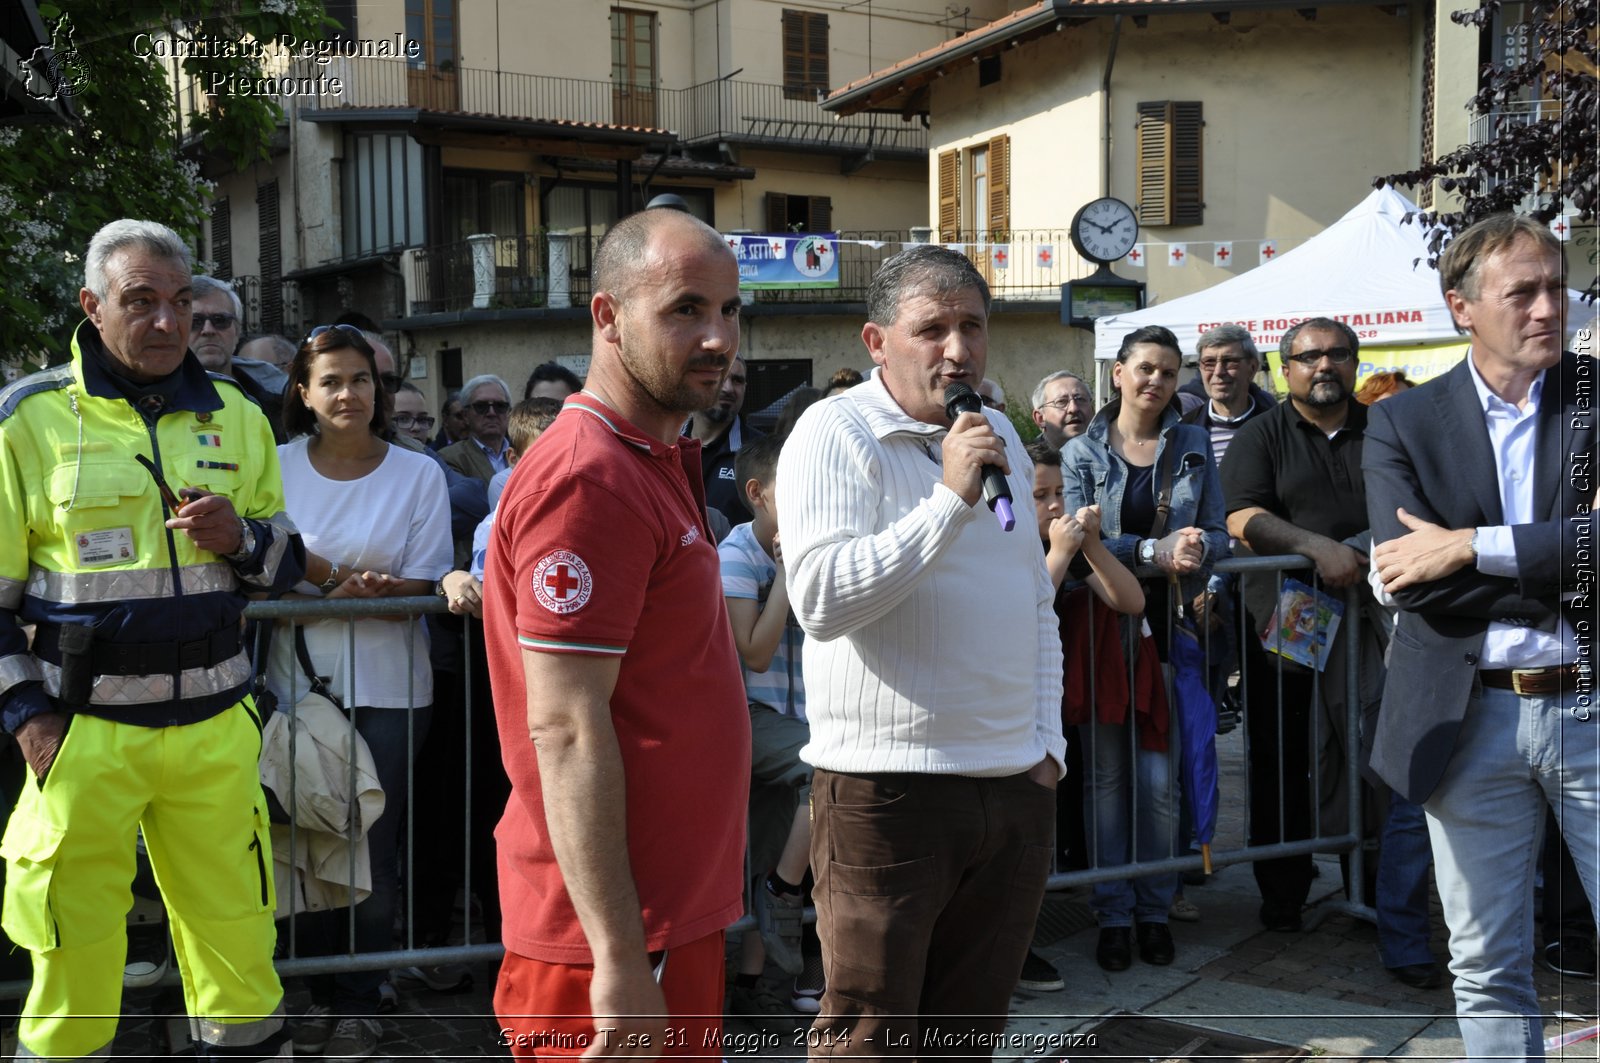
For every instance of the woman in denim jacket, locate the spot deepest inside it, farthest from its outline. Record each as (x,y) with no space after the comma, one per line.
(1116,464)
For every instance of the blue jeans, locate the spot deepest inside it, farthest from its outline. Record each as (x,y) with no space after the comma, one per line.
(1402,900)
(1486,819)
(1130,816)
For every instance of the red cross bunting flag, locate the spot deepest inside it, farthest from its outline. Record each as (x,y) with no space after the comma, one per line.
(1045,256)
(1561,225)
(1001,256)
(1135,257)
(780,247)
(1269,248)
(1177,255)
(1222,254)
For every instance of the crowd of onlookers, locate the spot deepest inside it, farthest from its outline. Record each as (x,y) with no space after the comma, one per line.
(1135,503)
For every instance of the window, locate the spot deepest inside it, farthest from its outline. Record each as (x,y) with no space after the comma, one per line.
(788,213)
(805,54)
(587,209)
(482,203)
(271,251)
(381,193)
(989,70)
(633,67)
(221,240)
(975,189)
(1167,169)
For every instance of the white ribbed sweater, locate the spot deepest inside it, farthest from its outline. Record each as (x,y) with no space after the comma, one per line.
(933,641)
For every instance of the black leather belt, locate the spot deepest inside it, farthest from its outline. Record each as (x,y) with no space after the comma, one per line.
(1531,682)
(145,658)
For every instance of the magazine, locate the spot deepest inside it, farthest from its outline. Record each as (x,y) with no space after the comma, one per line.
(1303,625)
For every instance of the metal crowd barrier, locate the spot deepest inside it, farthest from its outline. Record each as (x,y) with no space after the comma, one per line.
(1226,852)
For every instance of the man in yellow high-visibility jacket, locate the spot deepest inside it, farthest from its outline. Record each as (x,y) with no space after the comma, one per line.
(147,498)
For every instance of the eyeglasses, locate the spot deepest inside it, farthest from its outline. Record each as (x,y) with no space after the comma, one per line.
(1336,355)
(485,408)
(320,329)
(1211,365)
(406,420)
(1063,403)
(216,321)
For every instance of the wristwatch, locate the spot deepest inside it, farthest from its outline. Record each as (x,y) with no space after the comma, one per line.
(247,542)
(333,578)
(1147,551)
(438,588)
(1473,543)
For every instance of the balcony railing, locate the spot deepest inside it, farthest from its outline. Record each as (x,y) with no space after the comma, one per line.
(546,270)
(723,110)
(1505,119)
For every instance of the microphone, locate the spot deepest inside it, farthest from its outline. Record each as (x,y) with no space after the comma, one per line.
(959,399)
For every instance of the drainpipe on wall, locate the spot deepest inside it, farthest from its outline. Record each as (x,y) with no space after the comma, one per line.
(1105,107)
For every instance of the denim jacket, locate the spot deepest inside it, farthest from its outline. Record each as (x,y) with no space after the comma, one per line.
(1091,472)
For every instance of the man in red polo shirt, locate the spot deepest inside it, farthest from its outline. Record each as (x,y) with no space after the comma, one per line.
(617,687)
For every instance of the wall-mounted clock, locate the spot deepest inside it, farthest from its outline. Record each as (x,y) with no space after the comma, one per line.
(1105,230)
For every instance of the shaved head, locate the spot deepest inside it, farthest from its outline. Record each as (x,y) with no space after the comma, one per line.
(622,258)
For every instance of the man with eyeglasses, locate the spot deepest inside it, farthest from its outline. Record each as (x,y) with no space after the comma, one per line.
(1062,406)
(214,337)
(1293,484)
(487,401)
(1229,362)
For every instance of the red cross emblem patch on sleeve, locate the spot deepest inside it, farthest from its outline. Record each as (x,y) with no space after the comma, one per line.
(561,582)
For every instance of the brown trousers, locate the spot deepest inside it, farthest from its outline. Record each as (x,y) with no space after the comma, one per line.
(927,889)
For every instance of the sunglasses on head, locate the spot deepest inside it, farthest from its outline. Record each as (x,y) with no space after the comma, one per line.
(216,321)
(348,329)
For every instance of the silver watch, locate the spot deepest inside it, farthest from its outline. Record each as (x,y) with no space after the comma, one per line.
(1147,551)
(247,542)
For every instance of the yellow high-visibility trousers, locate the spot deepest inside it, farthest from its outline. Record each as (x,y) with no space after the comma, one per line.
(195,792)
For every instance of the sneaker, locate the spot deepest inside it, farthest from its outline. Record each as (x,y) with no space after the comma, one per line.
(1184,910)
(149,955)
(778,916)
(441,977)
(311,1033)
(388,998)
(807,997)
(1039,974)
(353,1039)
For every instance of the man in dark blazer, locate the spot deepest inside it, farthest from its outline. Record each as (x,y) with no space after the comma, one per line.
(1480,486)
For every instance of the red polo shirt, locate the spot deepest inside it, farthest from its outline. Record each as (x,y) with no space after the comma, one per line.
(600,546)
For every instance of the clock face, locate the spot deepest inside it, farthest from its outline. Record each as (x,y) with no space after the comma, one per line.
(1105,230)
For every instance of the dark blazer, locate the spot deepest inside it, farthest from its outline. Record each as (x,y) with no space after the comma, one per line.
(1428,451)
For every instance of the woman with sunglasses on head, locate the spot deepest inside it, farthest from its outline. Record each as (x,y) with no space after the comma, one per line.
(375,518)
(1121,463)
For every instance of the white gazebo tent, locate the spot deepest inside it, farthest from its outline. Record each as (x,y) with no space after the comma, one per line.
(1369,269)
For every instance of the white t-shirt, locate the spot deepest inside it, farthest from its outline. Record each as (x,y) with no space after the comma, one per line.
(395,519)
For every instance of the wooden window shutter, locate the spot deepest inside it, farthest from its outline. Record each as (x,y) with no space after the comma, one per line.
(222,240)
(999,187)
(949,194)
(816,52)
(1188,133)
(1153,164)
(777,212)
(271,246)
(821,212)
(805,54)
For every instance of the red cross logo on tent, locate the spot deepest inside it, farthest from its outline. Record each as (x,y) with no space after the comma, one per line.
(1222,253)
(561,582)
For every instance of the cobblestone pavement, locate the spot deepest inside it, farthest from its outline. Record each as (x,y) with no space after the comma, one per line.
(1322,990)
